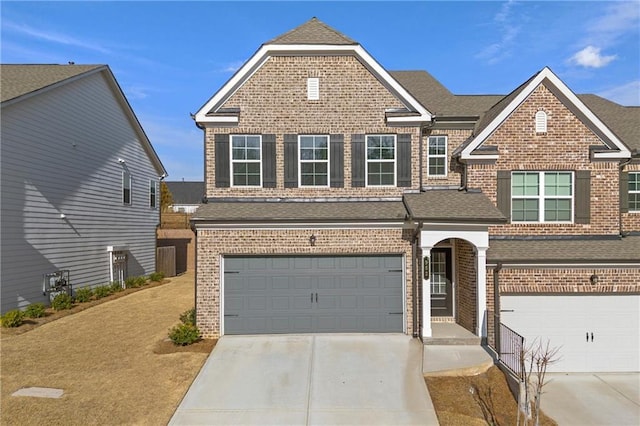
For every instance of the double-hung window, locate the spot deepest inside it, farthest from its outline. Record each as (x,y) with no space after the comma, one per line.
(246,160)
(437,156)
(634,192)
(381,160)
(126,187)
(153,194)
(314,160)
(542,196)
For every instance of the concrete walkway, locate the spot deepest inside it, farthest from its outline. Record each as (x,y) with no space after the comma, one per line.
(310,379)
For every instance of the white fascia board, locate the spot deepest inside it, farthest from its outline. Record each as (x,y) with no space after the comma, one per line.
(222,120)
(263,54)
(546,73)
(566,265)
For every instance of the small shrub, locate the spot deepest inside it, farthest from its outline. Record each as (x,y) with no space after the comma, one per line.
(61,302)
(141,281)
(35,310)
(83,294)
(156,276)
(102,291)
(184,334)
(189,317)
(13,318)
(135,282)
(115,287)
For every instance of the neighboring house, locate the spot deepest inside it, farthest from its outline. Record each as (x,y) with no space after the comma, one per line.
(80,181)
(187,196)
(331,183)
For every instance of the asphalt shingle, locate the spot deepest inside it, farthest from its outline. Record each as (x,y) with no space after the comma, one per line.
(313,32)
(445,205)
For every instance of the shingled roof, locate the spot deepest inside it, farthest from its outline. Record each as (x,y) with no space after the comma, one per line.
(624,250)
(313,32)
(186,192)
(451,205)
(19,80)
(295,211)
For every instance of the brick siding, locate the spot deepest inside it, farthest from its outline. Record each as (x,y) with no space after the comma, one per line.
(465,285)
(569,280)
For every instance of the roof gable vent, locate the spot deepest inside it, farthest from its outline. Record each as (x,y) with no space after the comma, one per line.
(541,122)
(313,88)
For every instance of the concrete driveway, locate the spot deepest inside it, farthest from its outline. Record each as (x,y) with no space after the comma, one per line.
(310,379)
(593,399)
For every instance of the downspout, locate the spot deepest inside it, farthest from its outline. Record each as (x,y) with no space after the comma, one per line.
(496,305)
(463,174)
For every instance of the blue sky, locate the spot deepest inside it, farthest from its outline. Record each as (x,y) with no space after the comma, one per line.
(171,57)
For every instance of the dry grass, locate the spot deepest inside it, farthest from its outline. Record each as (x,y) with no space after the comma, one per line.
(105,360)
(490,403)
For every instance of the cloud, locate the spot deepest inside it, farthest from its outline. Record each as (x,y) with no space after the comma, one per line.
(231,67)
(53,37)
(618,19)
(508,30)
(626,94)
(590,57)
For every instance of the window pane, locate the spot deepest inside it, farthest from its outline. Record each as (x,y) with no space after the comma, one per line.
(253,141)
(557,184)
(436,166)
(386,179)
(634,181)
(524,210)
(253,153)
(306,154)
(634,202)
(557,210)
(523,184)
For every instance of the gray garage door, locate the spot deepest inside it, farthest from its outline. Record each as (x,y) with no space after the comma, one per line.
(302,294)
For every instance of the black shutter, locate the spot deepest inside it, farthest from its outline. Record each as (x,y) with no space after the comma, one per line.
(269,161)
(223,175)
(290,161)
(624,192)
(358,161)
(583,196)
(336,152)
(503,196)
(404,160)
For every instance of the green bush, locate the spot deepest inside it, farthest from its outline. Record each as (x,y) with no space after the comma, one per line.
(61,302)
(135,282)
(115,287)
(83,294)
(102,291)
(156,276)
(35,310)
(12,318)
(184,334)
(189,317)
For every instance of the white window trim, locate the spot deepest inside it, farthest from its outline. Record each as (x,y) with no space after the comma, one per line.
(328,161)
(126,174)
(633,192)
(394,161)
(232,162)
(541,196)
(445,156)
(153,184)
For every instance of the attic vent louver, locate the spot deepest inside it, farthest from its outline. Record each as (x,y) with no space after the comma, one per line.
(541,122)
(313,88)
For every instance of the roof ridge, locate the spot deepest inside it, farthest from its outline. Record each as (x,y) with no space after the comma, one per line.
(314,31)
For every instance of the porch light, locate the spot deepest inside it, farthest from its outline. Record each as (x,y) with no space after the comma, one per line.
(594,279)
(312,240)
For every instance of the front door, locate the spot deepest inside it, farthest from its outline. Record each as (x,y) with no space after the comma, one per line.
(441,286)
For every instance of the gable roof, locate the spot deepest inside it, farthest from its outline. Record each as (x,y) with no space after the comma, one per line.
(20,82)
(312,32)
(186,192)
(503,109)
(624,121)
(312,38)
(452,206)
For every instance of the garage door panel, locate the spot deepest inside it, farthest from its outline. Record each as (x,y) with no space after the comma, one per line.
(354,294)
(568,322)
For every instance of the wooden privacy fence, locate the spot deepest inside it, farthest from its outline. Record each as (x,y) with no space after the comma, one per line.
(166,259)
(170,220)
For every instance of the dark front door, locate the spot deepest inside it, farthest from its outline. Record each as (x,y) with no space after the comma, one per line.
(441,287)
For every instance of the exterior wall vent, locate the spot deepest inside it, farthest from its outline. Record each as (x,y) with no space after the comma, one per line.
(313,88)
(541,122)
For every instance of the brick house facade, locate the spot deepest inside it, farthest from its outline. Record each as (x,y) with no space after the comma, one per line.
(348,180)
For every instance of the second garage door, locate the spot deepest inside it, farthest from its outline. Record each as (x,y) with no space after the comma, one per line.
(304,294)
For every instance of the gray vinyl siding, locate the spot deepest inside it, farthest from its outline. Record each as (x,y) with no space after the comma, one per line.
(59,155)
